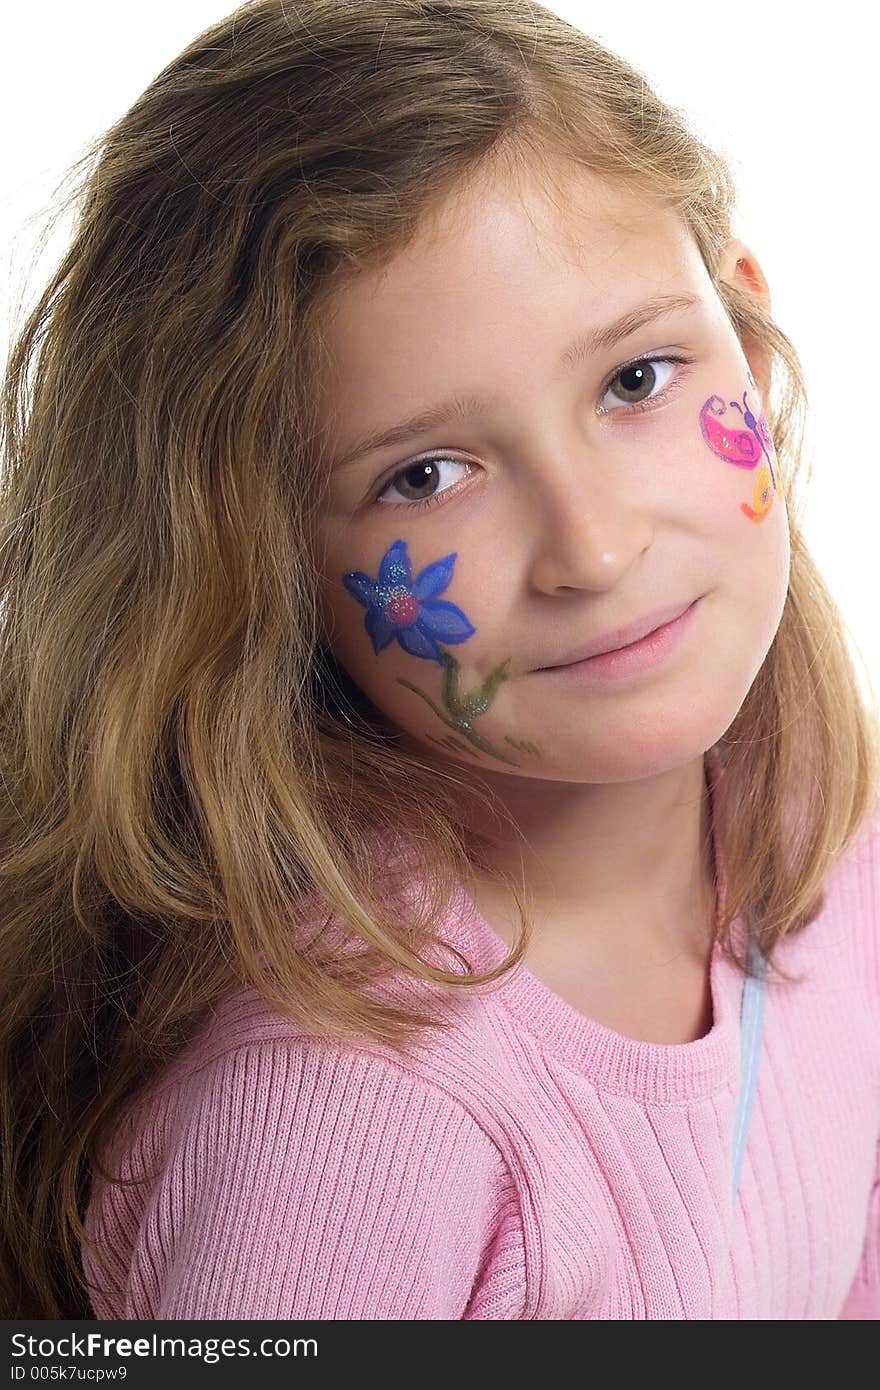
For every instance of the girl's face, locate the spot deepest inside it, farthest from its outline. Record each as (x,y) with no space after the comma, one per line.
(567,494)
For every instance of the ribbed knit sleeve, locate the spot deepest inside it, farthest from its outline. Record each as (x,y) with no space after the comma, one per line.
(309,1180)
(863,1299)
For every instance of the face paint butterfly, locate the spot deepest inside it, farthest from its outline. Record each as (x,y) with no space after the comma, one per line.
(742,447)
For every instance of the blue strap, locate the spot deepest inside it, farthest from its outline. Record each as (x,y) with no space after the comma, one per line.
(751,1028)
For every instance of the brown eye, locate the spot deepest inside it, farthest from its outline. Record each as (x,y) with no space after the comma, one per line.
(638,380)
(418,479)
(418,483)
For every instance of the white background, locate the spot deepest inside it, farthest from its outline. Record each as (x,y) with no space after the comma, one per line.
(787,92)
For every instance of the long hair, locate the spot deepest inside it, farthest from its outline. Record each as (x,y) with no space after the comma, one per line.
(192,789)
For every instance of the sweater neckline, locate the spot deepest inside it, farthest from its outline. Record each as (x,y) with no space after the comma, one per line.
(614,1062)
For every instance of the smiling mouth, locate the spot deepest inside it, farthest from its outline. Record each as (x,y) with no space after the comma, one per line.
(640,655)
(623,637)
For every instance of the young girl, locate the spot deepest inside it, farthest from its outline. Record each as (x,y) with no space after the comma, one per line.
(441,853)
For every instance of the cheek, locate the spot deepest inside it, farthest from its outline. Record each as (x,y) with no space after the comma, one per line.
(399,605)
(409,641)
(735,431)
(744,490)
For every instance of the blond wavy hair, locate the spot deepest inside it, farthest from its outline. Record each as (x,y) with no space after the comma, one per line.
(187,773)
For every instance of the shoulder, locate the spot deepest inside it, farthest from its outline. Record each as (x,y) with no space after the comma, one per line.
(468,1066)
(853,886)
(457,1064)
(250,1063)
(279,1161)
(843,940)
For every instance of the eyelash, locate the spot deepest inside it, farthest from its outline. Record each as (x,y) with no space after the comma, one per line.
(648,404)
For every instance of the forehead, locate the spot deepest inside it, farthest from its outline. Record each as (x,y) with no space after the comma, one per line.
(557,222)
(502,264)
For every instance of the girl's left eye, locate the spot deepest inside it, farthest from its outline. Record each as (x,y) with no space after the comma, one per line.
(425,470)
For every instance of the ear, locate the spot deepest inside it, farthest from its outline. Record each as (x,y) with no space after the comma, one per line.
(740,267)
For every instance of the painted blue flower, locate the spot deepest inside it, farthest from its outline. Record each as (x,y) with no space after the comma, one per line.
(398,607)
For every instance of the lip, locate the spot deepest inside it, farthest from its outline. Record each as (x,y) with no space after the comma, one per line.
(622,636)
(643,654)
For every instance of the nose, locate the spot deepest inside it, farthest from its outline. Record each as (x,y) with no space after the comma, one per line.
(579,530)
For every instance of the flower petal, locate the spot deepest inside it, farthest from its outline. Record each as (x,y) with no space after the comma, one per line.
(380,627)
(419,643)
(435,578)
(361,587)
(395,571)
(445,621)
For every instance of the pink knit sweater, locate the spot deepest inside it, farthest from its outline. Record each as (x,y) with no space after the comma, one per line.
(528,1163)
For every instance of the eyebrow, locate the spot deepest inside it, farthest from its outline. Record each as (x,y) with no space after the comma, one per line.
(456,407)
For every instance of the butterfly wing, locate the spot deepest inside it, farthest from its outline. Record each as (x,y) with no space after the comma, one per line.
(735,445)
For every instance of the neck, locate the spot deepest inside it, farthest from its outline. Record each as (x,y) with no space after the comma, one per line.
(626,868)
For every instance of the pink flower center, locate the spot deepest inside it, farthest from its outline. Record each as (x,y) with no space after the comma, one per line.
(403,609)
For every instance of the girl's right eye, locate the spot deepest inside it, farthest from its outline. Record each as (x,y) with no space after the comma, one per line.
(423,473)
